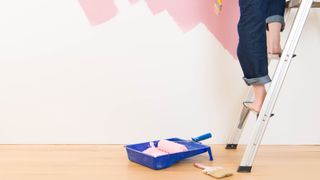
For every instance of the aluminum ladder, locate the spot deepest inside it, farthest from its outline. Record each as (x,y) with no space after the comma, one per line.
(274,89)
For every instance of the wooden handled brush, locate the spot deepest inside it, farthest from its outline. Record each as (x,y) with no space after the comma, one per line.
(215,171)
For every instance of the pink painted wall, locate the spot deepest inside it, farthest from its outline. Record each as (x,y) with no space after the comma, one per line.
(186,13)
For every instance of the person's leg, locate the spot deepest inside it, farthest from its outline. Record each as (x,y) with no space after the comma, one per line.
(273,37)
(252,47)
(260,94)
(275,24)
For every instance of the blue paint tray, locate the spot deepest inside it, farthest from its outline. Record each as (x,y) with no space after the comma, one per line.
(164,161)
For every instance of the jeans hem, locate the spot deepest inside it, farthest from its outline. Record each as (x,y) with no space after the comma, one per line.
(257,81)
(276,18)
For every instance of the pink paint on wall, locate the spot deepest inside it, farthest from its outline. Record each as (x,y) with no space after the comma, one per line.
(186,13)
(98,11)
(133,1)
(189,13)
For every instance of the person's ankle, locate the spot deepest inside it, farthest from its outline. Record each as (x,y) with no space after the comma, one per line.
(258,105)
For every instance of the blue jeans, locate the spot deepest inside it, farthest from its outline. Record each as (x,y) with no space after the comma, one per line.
(252,48)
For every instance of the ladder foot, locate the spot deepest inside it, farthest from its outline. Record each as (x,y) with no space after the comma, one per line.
(244,169)
(231,146)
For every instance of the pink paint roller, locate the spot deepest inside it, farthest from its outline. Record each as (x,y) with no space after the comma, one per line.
(170,147)
(164,147)
(155,152)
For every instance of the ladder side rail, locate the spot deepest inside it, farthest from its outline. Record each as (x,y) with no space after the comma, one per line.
(274,90)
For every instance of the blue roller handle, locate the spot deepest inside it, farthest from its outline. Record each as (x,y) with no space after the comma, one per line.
(202,137)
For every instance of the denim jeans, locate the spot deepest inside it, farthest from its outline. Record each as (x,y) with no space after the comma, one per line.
(252,48)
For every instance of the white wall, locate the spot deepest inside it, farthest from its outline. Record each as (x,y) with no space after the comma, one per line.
(137,77)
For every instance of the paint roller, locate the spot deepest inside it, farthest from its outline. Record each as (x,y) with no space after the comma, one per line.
(169,147)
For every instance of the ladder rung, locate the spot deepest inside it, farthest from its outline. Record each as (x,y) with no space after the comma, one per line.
(296,5)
